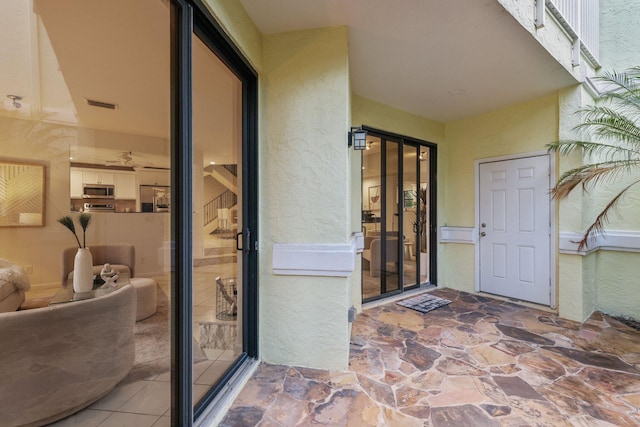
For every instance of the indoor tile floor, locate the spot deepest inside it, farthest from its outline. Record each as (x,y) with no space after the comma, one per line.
(147,402)
(476,362)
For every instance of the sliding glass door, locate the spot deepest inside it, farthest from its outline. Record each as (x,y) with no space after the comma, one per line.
(397,214)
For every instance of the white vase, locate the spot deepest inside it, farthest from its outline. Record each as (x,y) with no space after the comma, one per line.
(83,271)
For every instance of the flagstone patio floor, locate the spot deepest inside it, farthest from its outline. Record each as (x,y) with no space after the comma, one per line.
(476,362)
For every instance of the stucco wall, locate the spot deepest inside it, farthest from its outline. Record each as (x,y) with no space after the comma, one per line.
(619,34)
(239,27)
(551,36)
(618,290)
(521,128)
(304,194)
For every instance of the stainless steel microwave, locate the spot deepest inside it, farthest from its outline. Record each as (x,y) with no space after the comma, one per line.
(97,191)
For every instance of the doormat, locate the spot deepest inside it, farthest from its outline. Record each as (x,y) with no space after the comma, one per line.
(424,303)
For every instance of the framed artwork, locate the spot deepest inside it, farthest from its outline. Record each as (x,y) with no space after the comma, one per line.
(409,199)
(21,194)
(374,198)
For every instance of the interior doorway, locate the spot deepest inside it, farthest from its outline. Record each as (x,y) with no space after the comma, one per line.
(398,214)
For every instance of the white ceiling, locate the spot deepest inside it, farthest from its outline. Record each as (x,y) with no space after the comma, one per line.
(440,59)
(114,51)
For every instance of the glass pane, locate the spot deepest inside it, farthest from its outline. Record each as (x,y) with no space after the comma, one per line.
(217,279)
(423,206)
(90,88)
(390,250)
(371,203)
(410,210)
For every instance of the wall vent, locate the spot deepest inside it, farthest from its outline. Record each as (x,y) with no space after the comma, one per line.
(107,105)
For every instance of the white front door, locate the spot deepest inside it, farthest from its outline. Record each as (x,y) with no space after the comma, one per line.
(514,229)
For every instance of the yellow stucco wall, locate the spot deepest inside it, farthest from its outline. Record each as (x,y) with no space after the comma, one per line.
(522,128)
(304,172)
(304,165)
(618,290)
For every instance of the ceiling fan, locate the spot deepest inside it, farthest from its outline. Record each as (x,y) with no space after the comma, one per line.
(124,159)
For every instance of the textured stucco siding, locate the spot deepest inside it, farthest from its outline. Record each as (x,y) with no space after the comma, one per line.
(521,128)
(619,34)
(304,194)
(618,278)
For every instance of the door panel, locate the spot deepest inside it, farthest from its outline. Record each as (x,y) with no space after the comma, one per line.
(514,229)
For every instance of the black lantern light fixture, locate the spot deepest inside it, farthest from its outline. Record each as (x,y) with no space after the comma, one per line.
(358,138)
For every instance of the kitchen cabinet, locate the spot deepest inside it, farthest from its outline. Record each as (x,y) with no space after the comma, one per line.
(154,177)
(125,185)
(76,184)
(97,177)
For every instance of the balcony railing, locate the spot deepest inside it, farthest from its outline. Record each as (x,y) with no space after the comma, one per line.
(580,20)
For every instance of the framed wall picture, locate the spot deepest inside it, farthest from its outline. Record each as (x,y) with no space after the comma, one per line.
(21,194)
(409,199)
(374,193)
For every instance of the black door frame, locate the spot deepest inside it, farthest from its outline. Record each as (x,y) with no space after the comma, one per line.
(433,154)
(189,17)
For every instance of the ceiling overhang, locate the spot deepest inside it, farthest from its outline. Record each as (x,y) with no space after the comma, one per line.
(443,60)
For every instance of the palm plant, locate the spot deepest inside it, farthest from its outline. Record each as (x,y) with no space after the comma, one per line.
(612,126)
(419,225)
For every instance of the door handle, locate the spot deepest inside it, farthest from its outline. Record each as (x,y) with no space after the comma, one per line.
(483,234)
(246,235)
(238,248)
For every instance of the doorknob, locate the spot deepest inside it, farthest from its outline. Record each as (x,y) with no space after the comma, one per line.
(483,225)
(483,234)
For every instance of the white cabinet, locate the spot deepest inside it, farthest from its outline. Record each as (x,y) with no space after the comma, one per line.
(154,177)
(97,177)
(76,184)
(125,185)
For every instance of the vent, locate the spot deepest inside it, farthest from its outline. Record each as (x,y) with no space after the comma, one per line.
(107,105)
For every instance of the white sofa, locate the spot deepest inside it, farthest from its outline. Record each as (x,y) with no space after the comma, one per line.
(13,285)
(57,360)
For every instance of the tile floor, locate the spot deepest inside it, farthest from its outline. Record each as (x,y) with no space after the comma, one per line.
(476,362)
(147,403)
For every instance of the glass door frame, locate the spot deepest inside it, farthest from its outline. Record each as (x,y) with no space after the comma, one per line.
(403,142)
(189,17)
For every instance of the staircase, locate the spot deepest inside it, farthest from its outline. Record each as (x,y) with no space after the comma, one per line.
(217,255)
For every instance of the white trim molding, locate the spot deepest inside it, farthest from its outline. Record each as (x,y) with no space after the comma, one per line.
(316,259)
(614,240)
(467,235)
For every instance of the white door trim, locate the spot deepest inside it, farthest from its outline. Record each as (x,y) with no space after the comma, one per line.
(553,241)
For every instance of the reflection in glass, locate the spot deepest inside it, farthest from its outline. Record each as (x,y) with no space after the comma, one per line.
(410,210)
(58,55)
(217,279)
(21,194)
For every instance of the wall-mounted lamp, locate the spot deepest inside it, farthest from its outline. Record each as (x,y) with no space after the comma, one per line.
(358,138)
(14,100)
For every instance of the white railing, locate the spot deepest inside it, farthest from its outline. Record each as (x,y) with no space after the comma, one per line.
(580,20)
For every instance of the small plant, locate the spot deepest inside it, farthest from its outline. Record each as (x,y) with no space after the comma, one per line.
(84,219)
(419,225)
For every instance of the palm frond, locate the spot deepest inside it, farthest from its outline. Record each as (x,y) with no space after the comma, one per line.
(597,227)
(591,174)
(604,122)
(566,147)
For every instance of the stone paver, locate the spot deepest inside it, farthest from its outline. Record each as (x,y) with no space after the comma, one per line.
(476,362)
